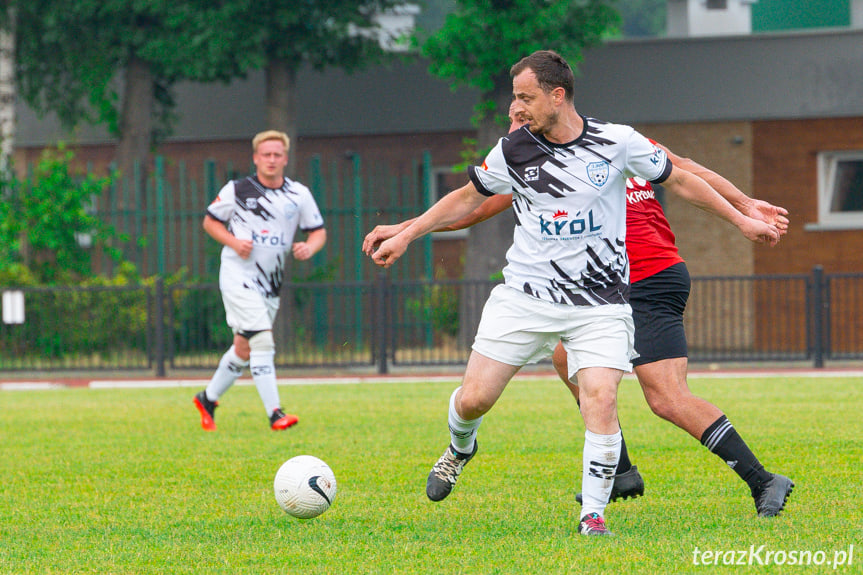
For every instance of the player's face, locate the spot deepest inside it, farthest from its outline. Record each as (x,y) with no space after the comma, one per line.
(535,106)
(270,160)
(516,117)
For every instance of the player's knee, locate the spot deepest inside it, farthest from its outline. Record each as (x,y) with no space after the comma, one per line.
(472,405)
(241,347)
(662,405)
(262,342)
(598,400)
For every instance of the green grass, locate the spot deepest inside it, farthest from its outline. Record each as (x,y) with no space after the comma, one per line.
(125,481)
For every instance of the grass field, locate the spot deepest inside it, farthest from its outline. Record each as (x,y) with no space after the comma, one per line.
(125,481)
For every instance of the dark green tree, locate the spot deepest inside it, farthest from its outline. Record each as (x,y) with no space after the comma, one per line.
(114,62)
(47,225)
(319,34)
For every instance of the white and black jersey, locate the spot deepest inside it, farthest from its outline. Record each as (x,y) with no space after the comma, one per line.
(270,218)
(569,202)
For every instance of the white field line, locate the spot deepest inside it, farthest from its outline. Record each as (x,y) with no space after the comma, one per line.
(358,380)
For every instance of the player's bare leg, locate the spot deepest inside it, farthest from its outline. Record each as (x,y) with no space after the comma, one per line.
(627,481)
(598,395)
(667,392)
(484,381)
(668,395)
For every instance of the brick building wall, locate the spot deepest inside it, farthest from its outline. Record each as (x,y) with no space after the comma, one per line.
(786,172)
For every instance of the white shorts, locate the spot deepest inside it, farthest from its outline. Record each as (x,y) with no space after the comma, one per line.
(517,329)
(247,310)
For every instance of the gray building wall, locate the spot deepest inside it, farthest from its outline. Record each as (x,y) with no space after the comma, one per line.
(768,76)
(400,98)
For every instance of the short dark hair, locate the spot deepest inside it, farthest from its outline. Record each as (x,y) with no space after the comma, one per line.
(551,70)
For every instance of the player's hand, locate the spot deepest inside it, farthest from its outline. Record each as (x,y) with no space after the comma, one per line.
(390,251)
(374,238)
(760,232)
(767,212)
(242,247)
(301,251)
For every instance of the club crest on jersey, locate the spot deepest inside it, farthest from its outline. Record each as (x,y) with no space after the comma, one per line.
(597,172)
(531,173)
(252,203)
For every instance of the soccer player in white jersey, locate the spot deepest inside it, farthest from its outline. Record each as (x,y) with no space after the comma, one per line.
(567,275)
(255,219)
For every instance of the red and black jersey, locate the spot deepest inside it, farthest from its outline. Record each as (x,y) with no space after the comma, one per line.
(649,239)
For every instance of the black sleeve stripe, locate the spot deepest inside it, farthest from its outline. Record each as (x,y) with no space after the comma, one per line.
(209,213)
(471,171)
(665,173)
(314,229)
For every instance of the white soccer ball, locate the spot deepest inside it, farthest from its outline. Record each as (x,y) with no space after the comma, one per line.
(305,486)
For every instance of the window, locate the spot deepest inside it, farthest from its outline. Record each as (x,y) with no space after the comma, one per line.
(840,189)
(444,180)
(717,4)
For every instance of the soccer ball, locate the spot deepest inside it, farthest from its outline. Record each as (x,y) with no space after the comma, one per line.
(305,486)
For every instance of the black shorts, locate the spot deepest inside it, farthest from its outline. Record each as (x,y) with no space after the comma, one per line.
(657,304)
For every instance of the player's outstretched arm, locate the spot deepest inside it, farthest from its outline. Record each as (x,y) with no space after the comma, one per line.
(382,233)
(488,209)
(699,193)
(756,209)
(448,210)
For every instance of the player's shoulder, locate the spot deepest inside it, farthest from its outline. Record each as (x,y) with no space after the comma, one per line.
(520,145)
(295,187)
(597,126)
(602,133)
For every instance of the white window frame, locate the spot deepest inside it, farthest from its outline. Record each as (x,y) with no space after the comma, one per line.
(827,168)
(437,194)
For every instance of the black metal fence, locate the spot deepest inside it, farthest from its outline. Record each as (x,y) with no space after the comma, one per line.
(384,324)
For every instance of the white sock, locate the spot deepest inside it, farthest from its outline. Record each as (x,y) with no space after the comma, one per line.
(599,464)
(230,368)
(462,433)
(264,374)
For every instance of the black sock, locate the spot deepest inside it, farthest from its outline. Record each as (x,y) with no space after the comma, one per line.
(623,464)
(722,439)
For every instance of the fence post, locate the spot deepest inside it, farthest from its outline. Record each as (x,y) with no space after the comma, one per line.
(428,260)
(160,214)
(818,306)
(358,227)
(382,321)
(159,328)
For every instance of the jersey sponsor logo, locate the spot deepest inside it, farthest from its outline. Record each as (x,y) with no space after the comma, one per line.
(656,156)
(638,190)
(531,173)
(560,226)
(636,196)
(265,238)
(597,172)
